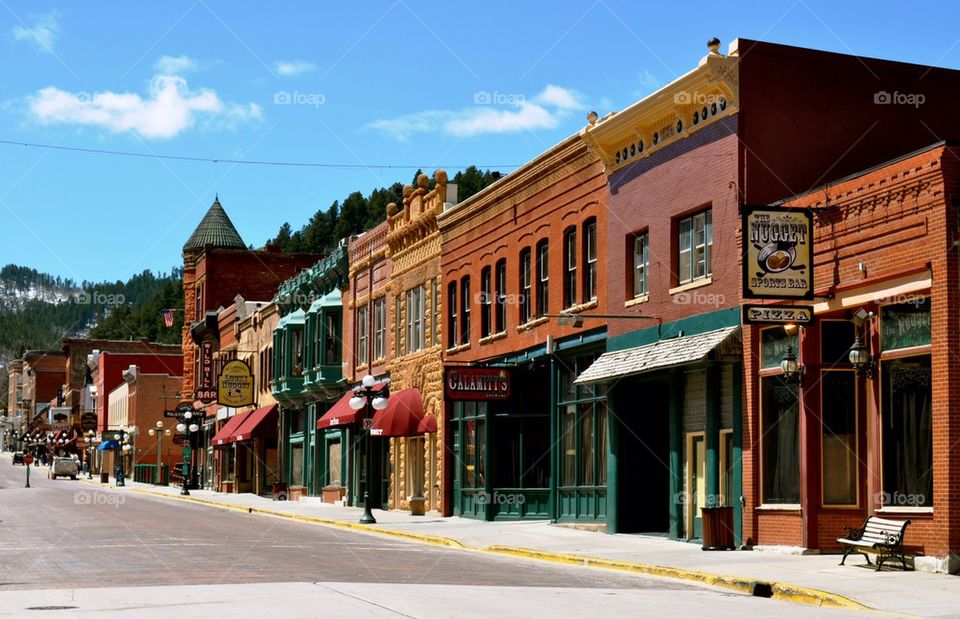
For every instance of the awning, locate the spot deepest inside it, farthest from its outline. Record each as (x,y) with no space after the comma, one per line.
(257,422)
(107,445)
(403,416)
(228,429)
(656,356)
(340,414)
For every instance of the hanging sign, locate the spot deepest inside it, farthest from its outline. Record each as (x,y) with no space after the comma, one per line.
(235,384)
(777,314)
(778,253)
(477,383)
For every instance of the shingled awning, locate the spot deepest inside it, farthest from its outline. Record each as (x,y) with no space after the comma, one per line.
(659,355)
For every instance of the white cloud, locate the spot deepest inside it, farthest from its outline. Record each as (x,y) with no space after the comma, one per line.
(544,111)
(289,68)
(42,34)
(648,83)
(560,97)
(169,109)
(175,65)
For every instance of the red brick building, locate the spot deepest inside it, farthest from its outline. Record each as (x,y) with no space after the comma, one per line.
(527,442)
(107,370)
(846,443)
(681,163)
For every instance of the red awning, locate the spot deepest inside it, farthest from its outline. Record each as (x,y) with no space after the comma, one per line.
(261,418)
(403,416)
(229,429)
(340,414)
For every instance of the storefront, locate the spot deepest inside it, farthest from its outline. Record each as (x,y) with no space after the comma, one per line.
(672,416)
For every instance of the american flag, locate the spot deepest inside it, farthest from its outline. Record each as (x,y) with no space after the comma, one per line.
(167,317)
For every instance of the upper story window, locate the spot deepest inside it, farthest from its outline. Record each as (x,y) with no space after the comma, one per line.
(397,313)
(435,310)
(486,301)
(543,277)
(331,338)
(297,345)
(590,259)
(526,285)
(465,310)
(641,264)
(380,328)
(500,296)
(694,247)
(416,322)
(570,267)
(363,330)
(452,326)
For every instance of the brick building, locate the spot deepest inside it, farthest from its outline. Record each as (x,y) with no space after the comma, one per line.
(218,266)
(367,345)
(43,374)
(515,257)
(416,454)
(245,458)
(138,403)
(681,163)
(880,439)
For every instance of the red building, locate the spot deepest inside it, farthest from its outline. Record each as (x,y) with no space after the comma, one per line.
(108,368)
(881,439)
(527,442)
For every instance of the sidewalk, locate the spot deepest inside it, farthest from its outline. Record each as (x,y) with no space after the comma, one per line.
(814,579)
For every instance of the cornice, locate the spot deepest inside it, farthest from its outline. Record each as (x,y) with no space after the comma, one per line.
(681,108)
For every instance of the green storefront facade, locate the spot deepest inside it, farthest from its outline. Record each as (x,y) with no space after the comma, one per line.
(636,452)
(308,372)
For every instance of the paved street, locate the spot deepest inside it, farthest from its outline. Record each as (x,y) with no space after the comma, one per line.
(135,553)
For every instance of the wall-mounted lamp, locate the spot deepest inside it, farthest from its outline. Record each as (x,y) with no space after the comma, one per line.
(793,371)
(861,359)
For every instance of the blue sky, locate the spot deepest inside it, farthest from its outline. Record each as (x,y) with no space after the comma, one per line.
(363,84)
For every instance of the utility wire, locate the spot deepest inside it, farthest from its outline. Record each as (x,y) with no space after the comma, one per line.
(295,164)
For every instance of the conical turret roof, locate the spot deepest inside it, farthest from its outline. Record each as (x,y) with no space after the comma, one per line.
(215,229)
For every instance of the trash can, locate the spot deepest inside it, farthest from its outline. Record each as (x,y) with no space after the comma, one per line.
(718,528)
(104,477)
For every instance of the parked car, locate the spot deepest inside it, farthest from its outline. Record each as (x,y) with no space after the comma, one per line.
(17,457)
(63,467)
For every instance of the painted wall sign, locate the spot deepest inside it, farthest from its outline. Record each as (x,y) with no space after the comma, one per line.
(777,314)
(235,384)
(778,253)
(477,383)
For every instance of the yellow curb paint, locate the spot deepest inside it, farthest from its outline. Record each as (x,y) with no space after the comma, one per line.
(781,591)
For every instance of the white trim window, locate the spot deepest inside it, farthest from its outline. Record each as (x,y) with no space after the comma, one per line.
(695,247)
(415,319)
(641,264)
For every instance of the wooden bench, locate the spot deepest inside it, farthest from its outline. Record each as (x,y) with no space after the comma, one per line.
(881,536)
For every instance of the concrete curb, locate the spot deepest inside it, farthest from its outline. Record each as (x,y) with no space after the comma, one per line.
(750,586)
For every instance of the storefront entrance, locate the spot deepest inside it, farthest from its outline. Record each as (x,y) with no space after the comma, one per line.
(644,460)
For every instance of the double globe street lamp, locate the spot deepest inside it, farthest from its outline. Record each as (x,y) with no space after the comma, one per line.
(123,446)
(159,432)
(186,426)
(369,399)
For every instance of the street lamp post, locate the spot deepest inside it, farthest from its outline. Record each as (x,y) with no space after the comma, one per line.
(123,445)
(370,399)
(159,432)
(186,426)
(90,453)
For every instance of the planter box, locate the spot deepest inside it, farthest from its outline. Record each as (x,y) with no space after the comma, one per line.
(417,504)
(332,494)
(226,486)
(295,492)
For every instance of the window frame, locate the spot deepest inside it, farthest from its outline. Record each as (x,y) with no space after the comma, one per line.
(543,277)
(856,440)
(570,298)
(590,259)
(464,310)
(486,302)
(643,267)
(379,328)
(525,285)
(686,242)
(500,300)
(362,330)
(453,325)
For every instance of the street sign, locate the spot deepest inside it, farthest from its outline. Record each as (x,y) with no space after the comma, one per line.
(367,423)
(171,414)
